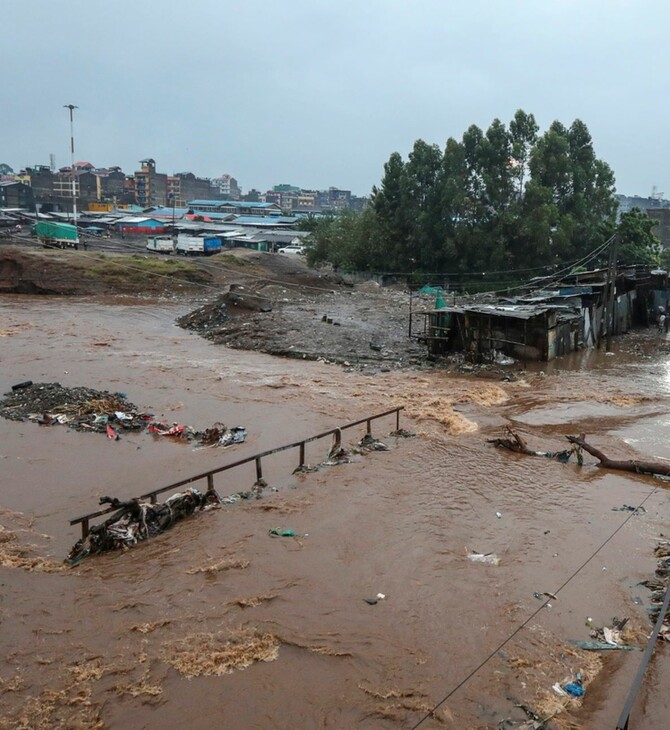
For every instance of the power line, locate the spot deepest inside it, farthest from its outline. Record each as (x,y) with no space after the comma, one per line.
(500,646)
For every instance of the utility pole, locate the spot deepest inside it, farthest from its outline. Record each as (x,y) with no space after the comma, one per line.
(72,107)
(612,274)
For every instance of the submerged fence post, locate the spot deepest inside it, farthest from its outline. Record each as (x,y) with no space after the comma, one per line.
(397,419)
(302,454)
(369,426)
(259,469)
(84,528)
(210,482)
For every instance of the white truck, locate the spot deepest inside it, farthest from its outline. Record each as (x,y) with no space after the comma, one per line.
(197,245)
(161,244)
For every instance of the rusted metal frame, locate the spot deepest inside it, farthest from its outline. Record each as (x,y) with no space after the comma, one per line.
(622,724)
(209,475)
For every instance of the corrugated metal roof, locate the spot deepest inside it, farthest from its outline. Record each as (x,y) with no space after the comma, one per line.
(233,203)
(262,221)
(138,219)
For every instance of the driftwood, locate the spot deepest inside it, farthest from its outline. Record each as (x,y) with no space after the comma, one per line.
(633,465)
(517,443)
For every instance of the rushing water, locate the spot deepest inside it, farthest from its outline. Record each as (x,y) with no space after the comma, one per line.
(119,631)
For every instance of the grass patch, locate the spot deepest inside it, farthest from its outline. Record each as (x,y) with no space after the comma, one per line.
(136,271)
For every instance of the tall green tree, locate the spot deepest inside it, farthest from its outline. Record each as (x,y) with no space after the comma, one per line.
(638,243)
(505,198)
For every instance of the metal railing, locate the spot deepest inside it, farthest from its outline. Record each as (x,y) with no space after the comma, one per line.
(84,520)
(624,718)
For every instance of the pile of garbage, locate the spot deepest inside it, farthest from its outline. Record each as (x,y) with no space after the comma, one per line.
(138,519)
(658,585)
(82,409)
(86,409)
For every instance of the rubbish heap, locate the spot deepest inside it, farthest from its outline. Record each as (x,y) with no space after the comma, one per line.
(138,519)
(86,409)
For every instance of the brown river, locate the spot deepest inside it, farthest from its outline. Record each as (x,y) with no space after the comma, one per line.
(215,624)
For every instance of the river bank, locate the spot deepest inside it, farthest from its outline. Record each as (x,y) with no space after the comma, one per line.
(110,642)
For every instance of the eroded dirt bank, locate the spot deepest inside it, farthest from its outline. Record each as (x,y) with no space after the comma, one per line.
(111,643)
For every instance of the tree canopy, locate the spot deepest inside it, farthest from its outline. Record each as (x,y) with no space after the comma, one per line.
(506,198)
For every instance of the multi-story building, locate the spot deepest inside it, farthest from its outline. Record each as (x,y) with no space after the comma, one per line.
(273,196)
(254,196)
(185,186)
(85,187)
(41,180)
(150,186)
(339,199)
(228,187)
(110,184)
(14,194)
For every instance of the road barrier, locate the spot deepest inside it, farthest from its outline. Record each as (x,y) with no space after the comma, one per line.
(85,520)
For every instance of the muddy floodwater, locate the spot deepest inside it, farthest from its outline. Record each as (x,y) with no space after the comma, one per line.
(217,624)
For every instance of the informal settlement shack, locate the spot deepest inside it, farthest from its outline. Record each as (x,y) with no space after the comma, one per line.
(544,323)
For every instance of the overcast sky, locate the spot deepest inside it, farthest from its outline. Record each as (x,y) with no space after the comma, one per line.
(320,92)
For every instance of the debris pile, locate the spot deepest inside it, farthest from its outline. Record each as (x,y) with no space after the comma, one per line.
(138,519)
(85,409)
(82,409)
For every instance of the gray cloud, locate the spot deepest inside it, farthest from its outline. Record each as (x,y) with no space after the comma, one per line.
(320,93)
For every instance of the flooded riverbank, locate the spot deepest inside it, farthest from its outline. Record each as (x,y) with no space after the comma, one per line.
(111,642)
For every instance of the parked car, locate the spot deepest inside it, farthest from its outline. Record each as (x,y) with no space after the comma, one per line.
(293,248)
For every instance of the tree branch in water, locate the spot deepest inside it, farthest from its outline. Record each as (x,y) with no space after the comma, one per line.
(633,465)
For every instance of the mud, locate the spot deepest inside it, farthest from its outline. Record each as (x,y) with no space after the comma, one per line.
(358,327)
(274,631)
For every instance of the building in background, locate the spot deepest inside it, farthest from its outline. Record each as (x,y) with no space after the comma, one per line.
(14,194)
(228,187)
(185,186)
(150,186)
(110,184)
(85,184)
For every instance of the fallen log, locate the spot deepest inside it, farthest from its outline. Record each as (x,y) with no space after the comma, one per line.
(632,465)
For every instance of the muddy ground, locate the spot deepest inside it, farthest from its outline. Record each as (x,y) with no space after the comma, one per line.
(313,314)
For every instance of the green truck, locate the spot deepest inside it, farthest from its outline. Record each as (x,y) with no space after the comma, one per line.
(57,235)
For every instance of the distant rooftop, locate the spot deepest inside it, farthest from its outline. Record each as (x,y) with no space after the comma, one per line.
(234,203)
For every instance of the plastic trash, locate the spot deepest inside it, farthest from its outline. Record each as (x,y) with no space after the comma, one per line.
(374,601)
(612,636)
(602,646)
(574,689)
(123,416)
(162,429)
(24,384)
(112,434)
(499,515)
(489,558)
(278,532)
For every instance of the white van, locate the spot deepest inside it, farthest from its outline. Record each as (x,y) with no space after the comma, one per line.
(292,248)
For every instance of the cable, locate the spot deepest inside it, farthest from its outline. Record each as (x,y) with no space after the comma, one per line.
(557,274)
(532,616)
